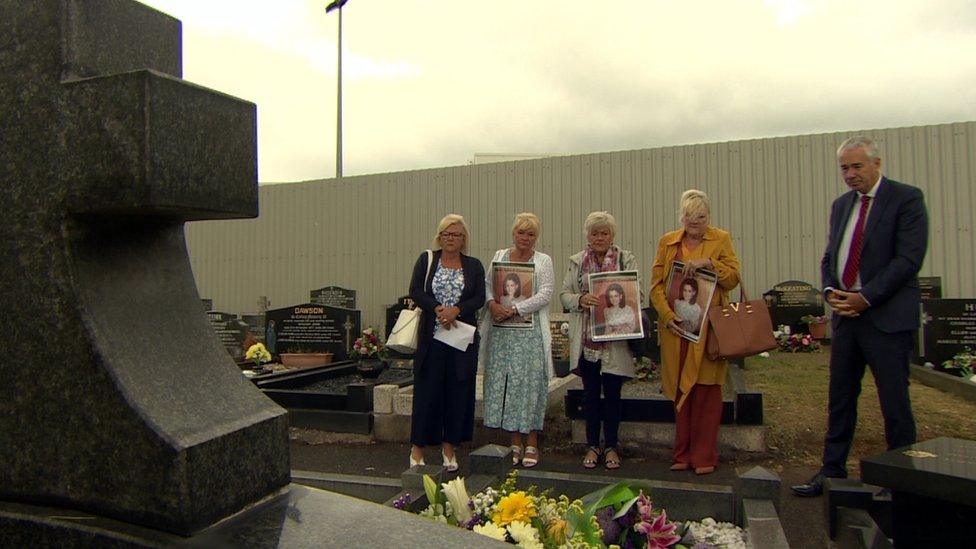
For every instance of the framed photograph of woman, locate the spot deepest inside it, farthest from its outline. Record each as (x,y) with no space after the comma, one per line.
(689,298)
(512,283)
(618,314)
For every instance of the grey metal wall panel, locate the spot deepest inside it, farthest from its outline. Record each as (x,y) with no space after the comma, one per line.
(773,195)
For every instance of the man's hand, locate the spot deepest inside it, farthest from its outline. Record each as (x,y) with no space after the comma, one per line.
(847,304)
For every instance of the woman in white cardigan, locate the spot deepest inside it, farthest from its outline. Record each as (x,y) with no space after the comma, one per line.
(516,360)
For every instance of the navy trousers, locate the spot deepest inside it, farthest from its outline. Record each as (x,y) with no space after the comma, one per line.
(593,382)
(857,342)
(443,399)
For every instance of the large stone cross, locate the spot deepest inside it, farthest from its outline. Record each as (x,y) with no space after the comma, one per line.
(117,398)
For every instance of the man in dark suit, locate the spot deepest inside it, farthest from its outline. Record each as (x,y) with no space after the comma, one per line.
(877,241)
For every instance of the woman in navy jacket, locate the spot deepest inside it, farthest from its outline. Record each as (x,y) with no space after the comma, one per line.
(444,377)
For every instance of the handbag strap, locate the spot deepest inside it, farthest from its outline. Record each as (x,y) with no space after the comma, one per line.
(430,261)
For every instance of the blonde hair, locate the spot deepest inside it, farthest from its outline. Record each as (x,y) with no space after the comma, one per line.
(447,221)
(527,221)
(599,220)
(693,203)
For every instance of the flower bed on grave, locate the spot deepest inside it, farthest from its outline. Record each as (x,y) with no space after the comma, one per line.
(621,515)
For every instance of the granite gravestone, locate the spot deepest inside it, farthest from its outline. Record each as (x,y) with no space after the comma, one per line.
(230,331)
(933,491)
(124,422)
(334,296)
(255,324)
(948,327)
(930,286)
(791,300)
(122,402)
(313,328)
(207,304)
(559,334)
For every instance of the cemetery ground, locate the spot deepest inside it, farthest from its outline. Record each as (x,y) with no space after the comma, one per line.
(794,387)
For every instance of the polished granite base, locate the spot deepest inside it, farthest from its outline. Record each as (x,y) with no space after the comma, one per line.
(298,516)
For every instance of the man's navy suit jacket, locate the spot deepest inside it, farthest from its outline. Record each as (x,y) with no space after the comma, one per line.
(895,240)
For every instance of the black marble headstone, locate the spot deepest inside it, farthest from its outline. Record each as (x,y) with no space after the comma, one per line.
(255,324)
(207,304)
(559,334)
(948,327)
(230,330)
(334,296)
(791,300)
(933,485)
(311,327)
(931,287)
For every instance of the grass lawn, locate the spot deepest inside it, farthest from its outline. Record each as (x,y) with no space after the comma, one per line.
(794,387)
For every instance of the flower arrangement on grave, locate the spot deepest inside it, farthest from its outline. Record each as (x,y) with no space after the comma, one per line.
(813,319)
(646,369)
(795,343)
(961,364)
(258,354)
(368,344)
(620,515)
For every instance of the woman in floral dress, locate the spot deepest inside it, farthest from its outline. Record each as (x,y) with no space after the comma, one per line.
(517,361)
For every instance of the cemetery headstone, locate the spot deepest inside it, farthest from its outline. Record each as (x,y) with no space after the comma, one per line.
(230,331)
(140,416)
(255,324)
(207,304)
(314,328)
(933,483)
(949,326)
(791,300)
(334,296)
(930,286)
(559,332)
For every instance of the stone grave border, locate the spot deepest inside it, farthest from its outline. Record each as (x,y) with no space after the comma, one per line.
(752,502)
(946,383)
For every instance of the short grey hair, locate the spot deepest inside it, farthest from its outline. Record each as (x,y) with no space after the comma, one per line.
(693,202)
(859,142)
(600,220)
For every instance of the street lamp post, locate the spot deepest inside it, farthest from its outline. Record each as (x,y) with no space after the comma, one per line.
(336,5)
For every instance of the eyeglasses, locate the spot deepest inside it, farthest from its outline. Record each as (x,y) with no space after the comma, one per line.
(452,235)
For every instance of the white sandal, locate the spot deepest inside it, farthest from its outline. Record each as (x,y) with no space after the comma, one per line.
(516,454)
(530,462)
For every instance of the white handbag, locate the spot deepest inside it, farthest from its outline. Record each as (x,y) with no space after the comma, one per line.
(403,337)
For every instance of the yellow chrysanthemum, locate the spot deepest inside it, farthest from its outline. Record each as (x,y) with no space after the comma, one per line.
(557,531)
(515,506)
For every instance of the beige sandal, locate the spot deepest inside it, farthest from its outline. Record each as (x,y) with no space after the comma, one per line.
(530,462)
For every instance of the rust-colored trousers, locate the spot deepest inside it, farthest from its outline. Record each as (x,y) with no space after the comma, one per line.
(696,424)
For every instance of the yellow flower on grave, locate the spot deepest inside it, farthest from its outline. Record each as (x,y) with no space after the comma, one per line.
(513,507)
(258,353)
(490,530)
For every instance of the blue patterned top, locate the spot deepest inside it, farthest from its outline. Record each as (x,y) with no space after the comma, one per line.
(447,286)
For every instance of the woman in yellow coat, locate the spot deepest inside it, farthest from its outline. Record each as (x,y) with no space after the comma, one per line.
(689,378)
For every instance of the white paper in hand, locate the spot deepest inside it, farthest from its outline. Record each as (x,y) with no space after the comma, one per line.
(459,336)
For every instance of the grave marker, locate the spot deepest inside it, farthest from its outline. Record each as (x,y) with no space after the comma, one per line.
(949,326)
(230,331)
(791,300)
(334,296)
(311,327)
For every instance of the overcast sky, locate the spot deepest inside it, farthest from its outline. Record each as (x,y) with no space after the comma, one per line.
(429,83)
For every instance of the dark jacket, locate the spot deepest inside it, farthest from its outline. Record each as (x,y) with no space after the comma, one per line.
(895,240)
(472,300)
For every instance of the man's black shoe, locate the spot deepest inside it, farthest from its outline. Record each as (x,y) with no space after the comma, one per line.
(813,488)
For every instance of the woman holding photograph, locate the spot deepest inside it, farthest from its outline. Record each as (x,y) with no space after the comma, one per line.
(444,377)
(687,308)
(517,361)
(619,316)
(689,378)
(603,365)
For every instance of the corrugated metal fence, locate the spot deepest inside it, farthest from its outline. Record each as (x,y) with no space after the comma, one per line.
(772,194)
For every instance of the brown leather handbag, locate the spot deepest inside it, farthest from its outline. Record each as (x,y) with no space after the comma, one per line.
(739,329)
